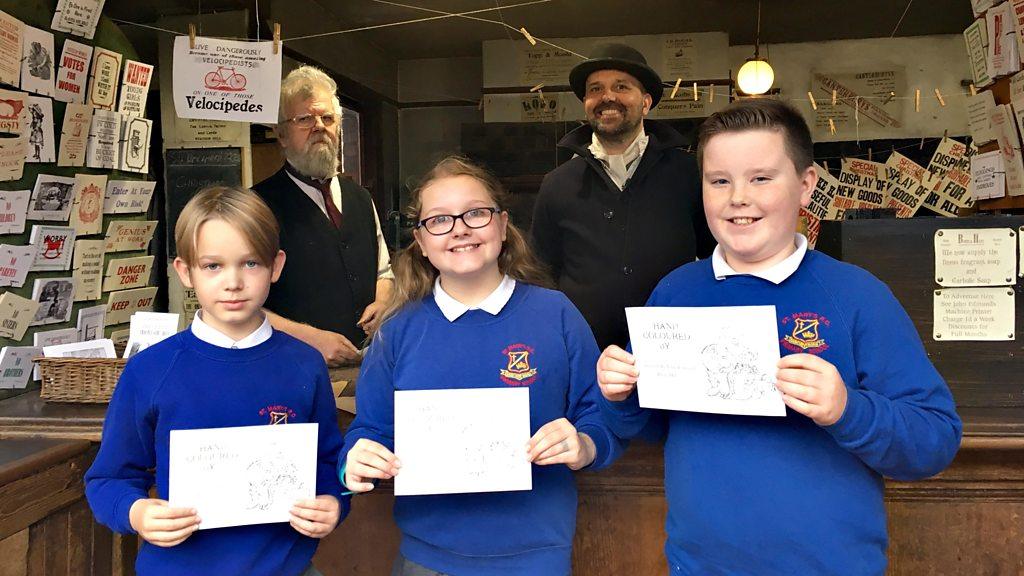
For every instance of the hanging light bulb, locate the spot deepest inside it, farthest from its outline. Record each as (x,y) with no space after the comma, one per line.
(756,75)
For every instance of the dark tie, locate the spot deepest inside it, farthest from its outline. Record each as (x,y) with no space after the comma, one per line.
(324,186)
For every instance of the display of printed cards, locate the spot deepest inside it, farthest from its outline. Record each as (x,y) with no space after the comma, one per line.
(16,365)
(54,247)
(52,198)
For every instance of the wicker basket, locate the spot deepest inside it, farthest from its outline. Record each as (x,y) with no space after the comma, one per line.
(79,379)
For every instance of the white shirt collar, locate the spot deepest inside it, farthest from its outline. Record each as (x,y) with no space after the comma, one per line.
(620,167)
(211,335)
(315,194)
(777,274)
(452,308)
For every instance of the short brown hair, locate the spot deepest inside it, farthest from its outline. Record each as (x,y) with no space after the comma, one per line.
(240,208)
(761,114)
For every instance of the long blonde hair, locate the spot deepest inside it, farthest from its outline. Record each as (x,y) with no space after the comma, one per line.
(415,275)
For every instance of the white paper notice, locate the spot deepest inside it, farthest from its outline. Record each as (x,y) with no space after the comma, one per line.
(91,322)
(128,196)
(974,314)
(135,88)
(10,49)
(73,72)
(54,247)
(148,328)
(103,79)
(15,262)
(78,17)
(37,69)
(464,440)
(720,360)
(13,206)
(74,135)
(244,475)
(40,130)
(104,136)
(226,80)
(988,175)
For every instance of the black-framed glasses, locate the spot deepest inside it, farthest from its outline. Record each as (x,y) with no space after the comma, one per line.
(444,223)
(307,121)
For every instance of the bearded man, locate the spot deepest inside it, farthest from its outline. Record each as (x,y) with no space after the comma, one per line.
(338,276)
(626,209)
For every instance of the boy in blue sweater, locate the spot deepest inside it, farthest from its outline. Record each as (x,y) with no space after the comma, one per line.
(469,312)
(801,494)
(229,369)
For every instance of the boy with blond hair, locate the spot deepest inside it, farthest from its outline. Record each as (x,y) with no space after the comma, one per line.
(801,494)
(230,368)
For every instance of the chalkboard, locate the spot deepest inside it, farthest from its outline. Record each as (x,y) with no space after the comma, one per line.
(189,170)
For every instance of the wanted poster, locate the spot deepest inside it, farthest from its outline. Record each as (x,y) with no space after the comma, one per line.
(905,193)
(15,262)
(128,196)
(88,269)
(13,207)
(74,135)
(51,198)
(103,79)
(54,246)
(78,17)
(135,88)
(37,68)
(102,150)
(55,297)
(10,49)
(40,130)
(73,72)
(226,80)
(135,145)
(87,210)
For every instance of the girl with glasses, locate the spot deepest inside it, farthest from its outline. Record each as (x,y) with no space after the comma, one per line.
(470,310)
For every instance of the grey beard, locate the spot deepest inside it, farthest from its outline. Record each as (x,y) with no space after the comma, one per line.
(318,164)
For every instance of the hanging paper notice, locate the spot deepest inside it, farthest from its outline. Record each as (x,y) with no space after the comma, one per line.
(15,314)
(12,157)
(54,246)
(905,193)
(103,79)
(55,297)
(73,72)
(226,80)
(121,305)
(823,194)
(128,273)
(74,135)
(14,117)
(10,49)
(15,262)
(134,153)
(13,206)
(128,196)
(86,212)
(974,314)
(40,130)
(125,235)
(975,257)
(78,17)
(16,365)
(135,88)
(51,198)
(104,134)
(88,269)
(988,175)
(37,69)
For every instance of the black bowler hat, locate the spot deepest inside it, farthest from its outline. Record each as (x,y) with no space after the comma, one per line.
(617,57)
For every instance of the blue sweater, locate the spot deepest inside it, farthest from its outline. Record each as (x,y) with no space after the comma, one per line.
(184,383)
(766,496)
(524,532)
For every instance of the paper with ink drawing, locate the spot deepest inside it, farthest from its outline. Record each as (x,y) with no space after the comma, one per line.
(720,359)
(466,440)
(242,475)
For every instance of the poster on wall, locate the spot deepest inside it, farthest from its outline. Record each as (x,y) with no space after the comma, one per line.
(74,135)
(51,198)
(103,78)
(78,17)
(135,88)
(226,80)
(135,145)
(37,69)
(10,49)
(40,130)
(687,56)
(13,207)
(104,133)
(73,72)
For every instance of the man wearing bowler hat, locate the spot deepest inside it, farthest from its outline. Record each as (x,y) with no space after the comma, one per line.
(626,209)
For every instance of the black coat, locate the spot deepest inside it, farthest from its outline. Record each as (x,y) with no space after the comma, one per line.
(607,249)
